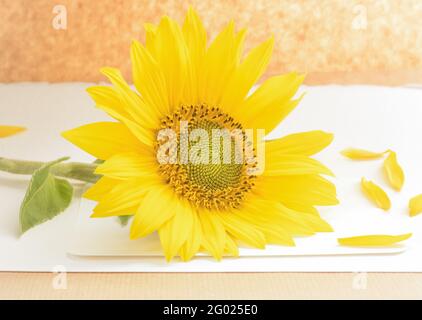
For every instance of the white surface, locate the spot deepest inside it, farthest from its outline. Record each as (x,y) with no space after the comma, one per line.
(368,117)
(105,237)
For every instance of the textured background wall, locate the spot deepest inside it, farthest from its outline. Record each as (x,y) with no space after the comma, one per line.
(343,41)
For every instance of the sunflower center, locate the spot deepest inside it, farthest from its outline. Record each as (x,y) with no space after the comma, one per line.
(208,167)
(213,176)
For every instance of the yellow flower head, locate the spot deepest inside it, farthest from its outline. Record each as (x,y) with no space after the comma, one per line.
(198,197)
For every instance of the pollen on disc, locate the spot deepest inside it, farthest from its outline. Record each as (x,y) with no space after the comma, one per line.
(213,177)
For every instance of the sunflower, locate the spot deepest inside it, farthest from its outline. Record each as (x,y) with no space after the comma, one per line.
(193,206)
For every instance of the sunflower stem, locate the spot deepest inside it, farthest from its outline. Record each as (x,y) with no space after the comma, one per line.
(72,170)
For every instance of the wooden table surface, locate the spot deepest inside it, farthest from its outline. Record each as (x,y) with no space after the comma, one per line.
(211,286)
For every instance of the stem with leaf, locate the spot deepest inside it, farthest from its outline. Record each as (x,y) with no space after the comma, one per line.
(48,194)
(72,170)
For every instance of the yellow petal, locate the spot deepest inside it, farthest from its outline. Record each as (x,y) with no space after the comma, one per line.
(107,98)
(267,222)
(104,139)
(304,143)
(219,63)
(124,198)
(110,101)
(282,164)
(299,206)
(231,246)
(214,234)
(172,56)
(6,131)
(415,205)
(373,240)
(156,208)
(101,188)
(241,229)
(292,220)
(196,41)
(375,194)
(278,236)
(295,222)
(317,223)
(270,103)
(149,79)
(193,241)
(176,230)
(361,154)
(273,215)
(394,172)
(143,114)
(150,35)
(245,76)
(128,166)
(239,41)
(144,135)
(310,190)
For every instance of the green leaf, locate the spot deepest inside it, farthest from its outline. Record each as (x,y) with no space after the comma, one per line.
(45,198)
(124,220)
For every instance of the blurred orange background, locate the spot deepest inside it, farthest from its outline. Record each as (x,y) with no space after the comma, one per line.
(334,41)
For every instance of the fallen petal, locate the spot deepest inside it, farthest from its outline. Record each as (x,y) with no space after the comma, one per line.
(373,240)
(415,205)
(394,172)
(375,194)
(6,131)
(361,154)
